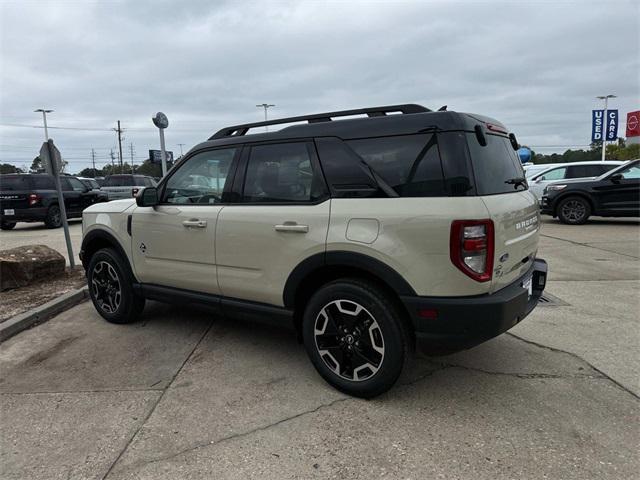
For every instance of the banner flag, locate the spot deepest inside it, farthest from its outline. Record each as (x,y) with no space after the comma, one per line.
(612,125)
(597,125)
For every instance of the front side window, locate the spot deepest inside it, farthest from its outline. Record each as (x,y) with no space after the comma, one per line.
(631,172)
(555,174)
(77,185)
(282,173)
(201,179)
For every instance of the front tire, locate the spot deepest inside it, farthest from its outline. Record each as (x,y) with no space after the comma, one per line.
(574,210)
(7,225)
(355,337)
(111,287)
(54,217)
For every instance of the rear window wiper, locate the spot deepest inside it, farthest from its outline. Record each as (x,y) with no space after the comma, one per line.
(517,181)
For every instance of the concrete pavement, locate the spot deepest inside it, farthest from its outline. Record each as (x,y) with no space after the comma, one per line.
(184,394)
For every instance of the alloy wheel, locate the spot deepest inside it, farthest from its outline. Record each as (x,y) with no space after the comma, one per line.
(574,210)
(106,287)
(349,340)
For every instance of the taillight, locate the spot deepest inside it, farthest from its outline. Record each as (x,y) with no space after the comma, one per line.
(33,199)
(471,248)
(134,192)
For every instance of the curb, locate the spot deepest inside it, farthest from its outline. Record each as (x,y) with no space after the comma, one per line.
(42,313)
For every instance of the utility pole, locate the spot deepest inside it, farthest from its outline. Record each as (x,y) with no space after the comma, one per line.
(44,119)
(132,151)
(265,106)
(604,121)
(93,161)
(119,130)
(113,157)
(181,145)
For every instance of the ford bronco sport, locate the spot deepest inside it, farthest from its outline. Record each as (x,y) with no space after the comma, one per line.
(369,235)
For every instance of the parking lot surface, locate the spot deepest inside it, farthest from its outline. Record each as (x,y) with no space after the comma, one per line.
(37,234)
(185,394)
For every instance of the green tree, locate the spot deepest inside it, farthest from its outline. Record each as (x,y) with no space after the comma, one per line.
(8,168)
(90,173)
(36,165)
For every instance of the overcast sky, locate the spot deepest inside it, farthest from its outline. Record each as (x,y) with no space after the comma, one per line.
(536,66)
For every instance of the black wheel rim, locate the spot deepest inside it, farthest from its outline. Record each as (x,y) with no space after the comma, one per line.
(56,216)
(105,286)
(574,210)
(349,340)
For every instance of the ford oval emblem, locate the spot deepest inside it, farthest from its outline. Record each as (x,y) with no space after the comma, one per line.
(504,258)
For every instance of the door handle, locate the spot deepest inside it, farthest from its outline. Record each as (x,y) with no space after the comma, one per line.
(291,227)
(195,223)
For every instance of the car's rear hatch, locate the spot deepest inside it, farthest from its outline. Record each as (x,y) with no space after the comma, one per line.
(14,192)
(499,180)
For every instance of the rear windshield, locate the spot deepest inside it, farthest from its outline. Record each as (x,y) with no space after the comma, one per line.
(495,166)
(10,182)
(119,181)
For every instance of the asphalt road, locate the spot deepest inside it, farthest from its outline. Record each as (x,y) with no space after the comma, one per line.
(184,394)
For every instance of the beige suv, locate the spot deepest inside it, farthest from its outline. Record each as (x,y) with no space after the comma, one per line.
(369,231)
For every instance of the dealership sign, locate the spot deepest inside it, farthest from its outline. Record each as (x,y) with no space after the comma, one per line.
(156,156)
(633,124)
(604,126)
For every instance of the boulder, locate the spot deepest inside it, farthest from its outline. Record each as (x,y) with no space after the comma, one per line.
(22,266)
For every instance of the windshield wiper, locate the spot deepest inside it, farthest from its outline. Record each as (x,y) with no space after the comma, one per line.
(517,181)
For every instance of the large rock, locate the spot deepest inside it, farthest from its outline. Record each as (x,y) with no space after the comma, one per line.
(22,266)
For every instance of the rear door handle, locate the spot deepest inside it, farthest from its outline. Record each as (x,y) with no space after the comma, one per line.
(291,227)
(195,223)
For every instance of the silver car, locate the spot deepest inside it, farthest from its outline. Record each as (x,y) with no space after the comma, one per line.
(126,186)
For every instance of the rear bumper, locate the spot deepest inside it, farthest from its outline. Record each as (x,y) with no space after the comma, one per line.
(36,214)
(467,321)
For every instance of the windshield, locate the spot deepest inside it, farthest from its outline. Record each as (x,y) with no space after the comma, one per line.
(496,166)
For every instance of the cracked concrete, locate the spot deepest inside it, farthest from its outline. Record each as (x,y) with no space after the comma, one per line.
(185,395)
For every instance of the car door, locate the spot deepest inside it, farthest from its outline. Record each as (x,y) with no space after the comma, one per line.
(536,186)
(173,243)
(280,218)
(620,195)
(72,197)
(87,197)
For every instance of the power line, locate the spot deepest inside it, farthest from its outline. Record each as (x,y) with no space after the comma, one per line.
(56,128)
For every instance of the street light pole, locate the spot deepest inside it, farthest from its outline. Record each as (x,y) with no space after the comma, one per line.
(265,106)
(604,122)
(44,118)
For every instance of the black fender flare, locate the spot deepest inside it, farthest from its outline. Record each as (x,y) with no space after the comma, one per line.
(339,258)
(103,237)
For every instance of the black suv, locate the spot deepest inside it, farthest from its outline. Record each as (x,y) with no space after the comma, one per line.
(33,198)
(614,194)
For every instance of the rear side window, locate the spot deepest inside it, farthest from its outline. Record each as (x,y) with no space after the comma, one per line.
(581,171)
(43,183)
(495,166)
(409,164)
(282,173)
(9,183)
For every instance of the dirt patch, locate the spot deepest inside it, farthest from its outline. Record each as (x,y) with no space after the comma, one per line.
(19,300)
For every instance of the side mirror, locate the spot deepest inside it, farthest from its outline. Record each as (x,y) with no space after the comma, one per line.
(147,197)
(616,177)
(539,179)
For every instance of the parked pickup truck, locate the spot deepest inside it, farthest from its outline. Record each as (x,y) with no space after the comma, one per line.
(126,186)
(33,198)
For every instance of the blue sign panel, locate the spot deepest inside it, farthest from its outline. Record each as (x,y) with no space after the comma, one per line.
(612,125)
(597,125)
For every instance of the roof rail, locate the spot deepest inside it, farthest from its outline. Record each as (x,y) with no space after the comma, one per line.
(238,130)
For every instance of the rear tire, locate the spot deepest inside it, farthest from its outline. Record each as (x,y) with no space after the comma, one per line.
(7,225)
(574,210)
(355,337)
(54,217)
(111,287)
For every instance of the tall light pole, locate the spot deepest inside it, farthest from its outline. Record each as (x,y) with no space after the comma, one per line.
(181,145)
(44,118)
(604,121)
(161,121)
(266,106)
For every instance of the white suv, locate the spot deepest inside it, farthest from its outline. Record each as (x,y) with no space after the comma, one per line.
(367,235)
(565,171)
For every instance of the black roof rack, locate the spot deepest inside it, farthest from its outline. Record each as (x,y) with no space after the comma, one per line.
(238,130)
